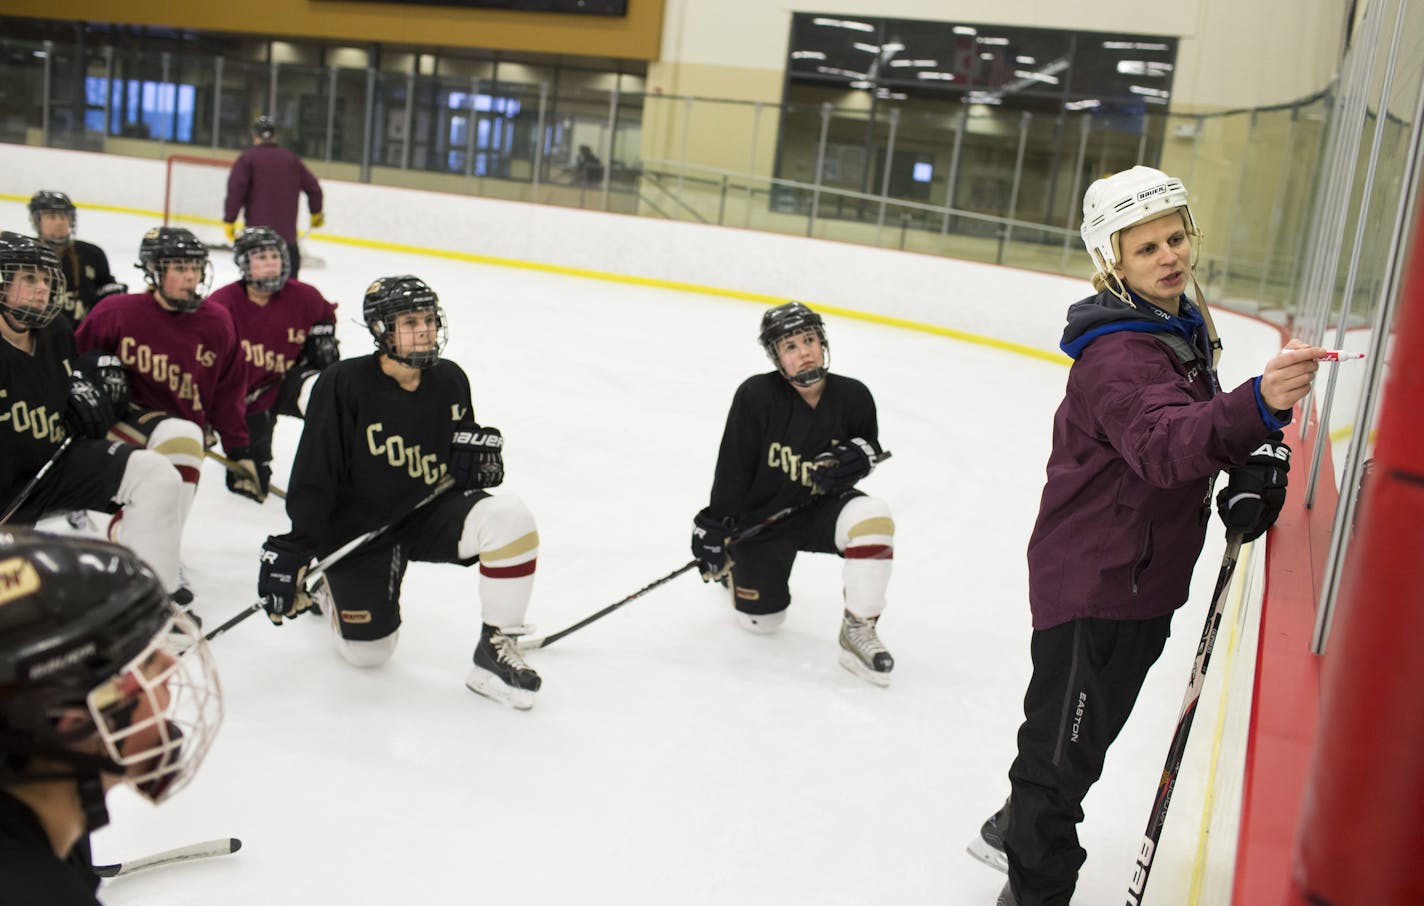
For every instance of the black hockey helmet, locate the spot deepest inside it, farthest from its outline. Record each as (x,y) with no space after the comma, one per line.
(254,239)
(86,635)
(23,257)
(786,319)
(163,246)
(388,297)
(264,127)
(46,201)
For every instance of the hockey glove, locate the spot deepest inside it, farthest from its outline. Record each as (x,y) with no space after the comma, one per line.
(318,219)
(710,537)
(1256,490)
(321,348)
(107,373)
(281,579)
(109,289)
(245,478)
(840,467)
(89,414)
(476,456)
(230,231)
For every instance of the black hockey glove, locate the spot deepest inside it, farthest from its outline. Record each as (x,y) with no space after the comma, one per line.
(245,478)
(1256,490)
(107,373)
(710,538)
(281,579)
(840,467)
(321,347)
(476,456)
(89,414)
(109,289)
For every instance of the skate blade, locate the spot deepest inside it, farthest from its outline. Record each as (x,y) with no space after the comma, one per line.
(996,859)
(482,682)
(853,664)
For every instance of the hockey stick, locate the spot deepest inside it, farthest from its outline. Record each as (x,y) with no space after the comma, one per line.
(1177,749)
(340,553)
(205,850)
(529,643)
(33,483)
(240,472)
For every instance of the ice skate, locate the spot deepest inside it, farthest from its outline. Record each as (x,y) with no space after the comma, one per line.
(988,847)
(500,673)
(861,650)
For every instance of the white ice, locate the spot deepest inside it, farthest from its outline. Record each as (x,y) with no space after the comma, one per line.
(672,757)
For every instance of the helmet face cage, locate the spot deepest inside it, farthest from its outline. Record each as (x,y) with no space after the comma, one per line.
(163,247)
(390,297)
(47,202)
(254,240)
(791,318)
(22,259)
(1124,200)
(158,715)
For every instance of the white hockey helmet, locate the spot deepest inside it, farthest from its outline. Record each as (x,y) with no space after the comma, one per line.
(1125,199)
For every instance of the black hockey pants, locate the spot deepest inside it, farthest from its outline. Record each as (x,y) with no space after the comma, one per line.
(1086,677)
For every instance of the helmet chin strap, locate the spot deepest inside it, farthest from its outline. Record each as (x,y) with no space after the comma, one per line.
(808,378)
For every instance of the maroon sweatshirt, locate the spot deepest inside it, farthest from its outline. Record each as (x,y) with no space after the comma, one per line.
(267,181)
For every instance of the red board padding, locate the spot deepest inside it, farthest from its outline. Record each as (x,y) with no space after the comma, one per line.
(1362,825)
(1284,699)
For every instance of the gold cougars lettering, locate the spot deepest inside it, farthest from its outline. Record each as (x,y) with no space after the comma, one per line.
(797,467)
(262,357)
(162,370)
(37,421)
(400,455)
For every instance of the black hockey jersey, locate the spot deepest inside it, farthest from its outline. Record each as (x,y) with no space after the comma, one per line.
(34,394)
(370,451)
(772,436)
(86,272)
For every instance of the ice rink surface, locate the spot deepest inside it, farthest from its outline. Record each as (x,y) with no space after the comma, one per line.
(672,758)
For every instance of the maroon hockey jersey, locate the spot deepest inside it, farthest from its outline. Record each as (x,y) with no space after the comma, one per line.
(186,364)
(267,181)
(271,335)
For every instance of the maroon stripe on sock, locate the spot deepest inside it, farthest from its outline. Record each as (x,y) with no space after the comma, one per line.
(509,572)
(870,552)
(189,474)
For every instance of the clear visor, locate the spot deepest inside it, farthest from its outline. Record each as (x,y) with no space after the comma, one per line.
(157,717)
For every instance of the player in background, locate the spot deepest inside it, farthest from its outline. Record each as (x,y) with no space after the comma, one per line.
(102,682)
(795,434)
(184,363)
(85,266)
(47,397)
(287,331)
(265,186)
(381,432)
(1142,431)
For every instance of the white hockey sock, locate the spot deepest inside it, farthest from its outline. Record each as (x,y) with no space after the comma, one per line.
(304,392)
(865,536)
(181,443)
(152,496)
(501,531)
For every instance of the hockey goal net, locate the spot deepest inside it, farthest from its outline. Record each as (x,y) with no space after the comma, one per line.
(193,193)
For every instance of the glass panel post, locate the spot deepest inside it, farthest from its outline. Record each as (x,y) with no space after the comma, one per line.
(820,165)
(109,93)
(48,79)
(539,137)
(1008,230)
(751,159)
(608,150)
(369,123)
(217,99)
(409,118)
(330,110)
(885,175)
(959,131)
(1075,200)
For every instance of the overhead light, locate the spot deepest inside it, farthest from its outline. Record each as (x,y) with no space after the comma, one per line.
(40,53)
(860,83)
(1132,45)
(900,64)
(1087,104)
(1026,61)
(836,71)
(983,97)
(843,23)
(935,76)
(1036,76)
(868,48)
(988,56)
(892,47)
(1148,92)
(994,41)
(807,55)
(1143,68)
(965,30)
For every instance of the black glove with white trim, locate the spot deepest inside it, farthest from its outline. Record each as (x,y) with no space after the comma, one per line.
(89,413)
(476,456)
(709,545)
(840,467)
(1256,490)
(281,579)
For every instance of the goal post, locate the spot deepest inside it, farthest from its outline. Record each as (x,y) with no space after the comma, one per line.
(193,192)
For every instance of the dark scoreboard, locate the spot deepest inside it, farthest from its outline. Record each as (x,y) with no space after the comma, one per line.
(590,7)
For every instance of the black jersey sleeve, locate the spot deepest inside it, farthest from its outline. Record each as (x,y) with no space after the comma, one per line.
(737,456)
(321,463)
(861,418)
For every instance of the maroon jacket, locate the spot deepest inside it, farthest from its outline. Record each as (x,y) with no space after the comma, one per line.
(267,180)
(1137,441)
